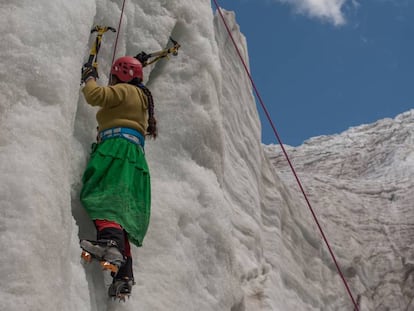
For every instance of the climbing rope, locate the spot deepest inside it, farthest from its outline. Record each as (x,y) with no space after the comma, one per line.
(117,36)
(287,157)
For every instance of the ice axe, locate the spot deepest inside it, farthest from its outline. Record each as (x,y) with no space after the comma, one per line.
(93,54)
(145,60)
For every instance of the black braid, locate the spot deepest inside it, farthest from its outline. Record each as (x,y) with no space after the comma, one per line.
(152,122)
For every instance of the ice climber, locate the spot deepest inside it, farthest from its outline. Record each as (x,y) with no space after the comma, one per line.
(116,190)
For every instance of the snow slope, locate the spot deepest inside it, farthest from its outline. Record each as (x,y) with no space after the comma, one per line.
(360,183)
(228,231)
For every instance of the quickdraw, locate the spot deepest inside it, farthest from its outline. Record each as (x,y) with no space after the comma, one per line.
(146,60)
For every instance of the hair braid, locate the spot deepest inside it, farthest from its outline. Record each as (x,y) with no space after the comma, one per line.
(152,122)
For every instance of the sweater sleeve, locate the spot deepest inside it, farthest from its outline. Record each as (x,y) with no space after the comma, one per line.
(103,96)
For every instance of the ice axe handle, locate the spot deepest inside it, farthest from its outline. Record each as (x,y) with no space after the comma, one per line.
(90,60)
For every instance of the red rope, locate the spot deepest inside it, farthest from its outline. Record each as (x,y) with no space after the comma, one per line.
(287,157)
(117,36)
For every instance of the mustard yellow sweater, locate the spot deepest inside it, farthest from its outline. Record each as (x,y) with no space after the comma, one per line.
(122,105)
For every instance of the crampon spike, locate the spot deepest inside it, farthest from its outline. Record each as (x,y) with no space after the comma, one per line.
(121,297)
(109,266)
(86,256)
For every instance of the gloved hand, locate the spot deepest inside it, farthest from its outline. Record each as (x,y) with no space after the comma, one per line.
(142,57)
(88,71)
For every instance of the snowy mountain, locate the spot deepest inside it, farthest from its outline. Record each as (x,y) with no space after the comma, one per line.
(229,229)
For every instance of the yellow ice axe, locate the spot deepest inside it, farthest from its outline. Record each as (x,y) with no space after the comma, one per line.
(93,54)
(146,60)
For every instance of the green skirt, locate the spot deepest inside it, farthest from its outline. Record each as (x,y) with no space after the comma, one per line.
(117,187)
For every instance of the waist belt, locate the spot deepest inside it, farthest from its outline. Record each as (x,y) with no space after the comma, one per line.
(132,135)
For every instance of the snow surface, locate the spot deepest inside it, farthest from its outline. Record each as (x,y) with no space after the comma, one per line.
(228,231)
(361,184)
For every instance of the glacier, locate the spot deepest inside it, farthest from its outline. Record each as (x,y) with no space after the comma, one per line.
(229,228)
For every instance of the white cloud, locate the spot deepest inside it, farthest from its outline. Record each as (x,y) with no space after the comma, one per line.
(328,10)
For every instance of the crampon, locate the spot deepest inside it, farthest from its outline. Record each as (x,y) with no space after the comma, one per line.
(120,289)
(106,265)
(105,252)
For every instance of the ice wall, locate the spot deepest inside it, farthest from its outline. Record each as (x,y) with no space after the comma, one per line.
(226,233)
(41,47)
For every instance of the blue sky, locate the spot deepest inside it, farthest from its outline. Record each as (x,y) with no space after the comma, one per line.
(322,66)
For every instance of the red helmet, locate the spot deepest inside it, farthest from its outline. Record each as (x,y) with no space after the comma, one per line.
(127,68)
